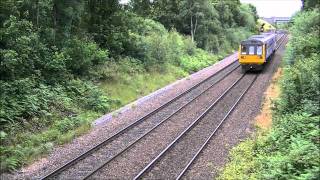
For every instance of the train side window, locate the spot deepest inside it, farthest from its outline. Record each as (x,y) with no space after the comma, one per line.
(259,50)
(251,50)
(243,50)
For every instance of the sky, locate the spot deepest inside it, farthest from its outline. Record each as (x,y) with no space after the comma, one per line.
(277,8)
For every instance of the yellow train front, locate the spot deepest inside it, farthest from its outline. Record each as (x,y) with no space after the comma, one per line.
(256,51)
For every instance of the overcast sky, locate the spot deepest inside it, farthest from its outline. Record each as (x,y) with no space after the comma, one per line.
(278,8)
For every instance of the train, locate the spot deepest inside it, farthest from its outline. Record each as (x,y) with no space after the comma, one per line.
(257,50)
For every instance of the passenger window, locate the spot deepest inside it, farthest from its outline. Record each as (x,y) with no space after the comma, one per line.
(259,50)
(251,50)
(243,50)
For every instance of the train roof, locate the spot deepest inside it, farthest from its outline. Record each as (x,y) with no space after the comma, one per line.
(262,38)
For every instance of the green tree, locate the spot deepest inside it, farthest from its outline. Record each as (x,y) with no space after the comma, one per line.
(310,4)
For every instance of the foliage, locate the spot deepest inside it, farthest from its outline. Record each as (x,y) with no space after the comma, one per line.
(290,148)
(242,162)
(196,62)
(203,20)
(266,26)
(62,63)
(305,33)
(288,151)
(129,87)
(310,4)
(83,56)
(300,87)
(30,145)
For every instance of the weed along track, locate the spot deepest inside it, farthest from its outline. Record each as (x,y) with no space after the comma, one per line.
(166,141)
(104,152)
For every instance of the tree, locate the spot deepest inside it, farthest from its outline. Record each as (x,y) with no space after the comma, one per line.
(310,4)
(141,7)
(168,13)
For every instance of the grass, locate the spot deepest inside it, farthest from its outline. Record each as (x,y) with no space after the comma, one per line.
(139,85)
(29,146)
(241,162)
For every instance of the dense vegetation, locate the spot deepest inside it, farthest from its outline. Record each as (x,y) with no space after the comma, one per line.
(65,63)
(290,150)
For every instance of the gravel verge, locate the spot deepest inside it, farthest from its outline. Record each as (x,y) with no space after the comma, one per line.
(110,123)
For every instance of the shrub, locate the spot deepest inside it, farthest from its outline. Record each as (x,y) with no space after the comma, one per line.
(290,148)
(300,87)
(25,99)
(84,55)
(88,96)
(22,55)
(304,36)
(199,60)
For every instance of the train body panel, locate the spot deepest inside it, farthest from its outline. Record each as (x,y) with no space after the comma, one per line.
(257,50)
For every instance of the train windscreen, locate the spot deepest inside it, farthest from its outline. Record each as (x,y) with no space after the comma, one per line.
(259,50)
(251,50)
(243,50)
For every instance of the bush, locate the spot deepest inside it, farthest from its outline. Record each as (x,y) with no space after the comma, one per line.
(199,60)
(24,99)
(300,87)
(22,55)
(304,36)
(290,148)
(242,162)
(88,96)
(84,55)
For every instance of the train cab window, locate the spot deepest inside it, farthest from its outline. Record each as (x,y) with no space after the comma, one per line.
(259,50)
(251,50)
(243,50)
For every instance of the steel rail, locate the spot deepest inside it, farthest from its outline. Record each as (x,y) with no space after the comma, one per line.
(215,130)
(195,122)
(130,126)
(283,37)
(221,122)
(157,125)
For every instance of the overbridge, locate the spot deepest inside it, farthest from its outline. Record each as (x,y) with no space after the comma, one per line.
(277,20)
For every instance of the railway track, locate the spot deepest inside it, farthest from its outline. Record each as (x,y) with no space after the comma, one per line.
(89,163)
(86,163)
(177,157)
